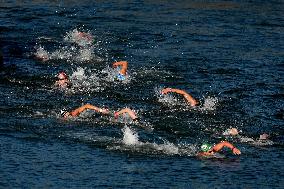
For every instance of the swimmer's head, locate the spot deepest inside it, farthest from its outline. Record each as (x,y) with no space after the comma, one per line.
(233,131)
(116,115)
(264,136)
(205,147)
(62,76)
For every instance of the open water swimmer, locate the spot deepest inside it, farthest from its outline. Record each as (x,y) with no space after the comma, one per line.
(122,70)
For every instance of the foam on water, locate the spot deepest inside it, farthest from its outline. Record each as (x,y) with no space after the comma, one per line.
(63,53)
(85,81)
(210,103)
(79,74)
(41,52)
(85,54)
(74,37)
(77,49)
(109,74)
(167,148)
(129,136)
(168,99)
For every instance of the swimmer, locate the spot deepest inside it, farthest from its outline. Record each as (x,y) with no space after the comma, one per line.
(263,136)
(78,111)
(63,81)
(209,150)
(86,36)
(123,65)
(193,102)
(125,113)
(83,38)
(261,141)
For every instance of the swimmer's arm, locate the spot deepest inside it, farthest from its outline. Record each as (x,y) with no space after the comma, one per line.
(126,110)
(223,144)
(79,110)
(187,96)
(123,64)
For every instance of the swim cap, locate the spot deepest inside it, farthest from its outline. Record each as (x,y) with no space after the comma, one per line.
(264,136)
(205,147)
(116,115)
(62,75)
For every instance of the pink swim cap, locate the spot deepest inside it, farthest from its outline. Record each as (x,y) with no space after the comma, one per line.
(62,75)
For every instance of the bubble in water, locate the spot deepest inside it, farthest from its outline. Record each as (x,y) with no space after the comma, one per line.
(129,136)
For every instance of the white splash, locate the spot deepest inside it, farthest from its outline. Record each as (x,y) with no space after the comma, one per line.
(61,54)
(210,103)
(80,47)
(168,99)
(85,81)
(167,148)
(129,136)
(85,54)
(76,36)
(41,53)
(79,74)
(109,74)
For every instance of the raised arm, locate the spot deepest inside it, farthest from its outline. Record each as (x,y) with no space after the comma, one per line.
(223,144)
(188,97)
(79,110)
(126,110)
(123,64)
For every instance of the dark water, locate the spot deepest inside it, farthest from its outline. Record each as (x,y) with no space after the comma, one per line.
(230,55)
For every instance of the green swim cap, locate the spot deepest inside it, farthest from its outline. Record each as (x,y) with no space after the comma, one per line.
(205,147)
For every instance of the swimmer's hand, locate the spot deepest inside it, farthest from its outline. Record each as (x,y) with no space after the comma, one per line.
(166,90)
(236,151)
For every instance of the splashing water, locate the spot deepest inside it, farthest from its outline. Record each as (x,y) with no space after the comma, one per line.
(84,81)
(79,74)
(85,54)
(83,39)
(129,137)
(109,74)
(168,99)
(41,53)
(210,103)
(79,49)
(62,54)
(167,148)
